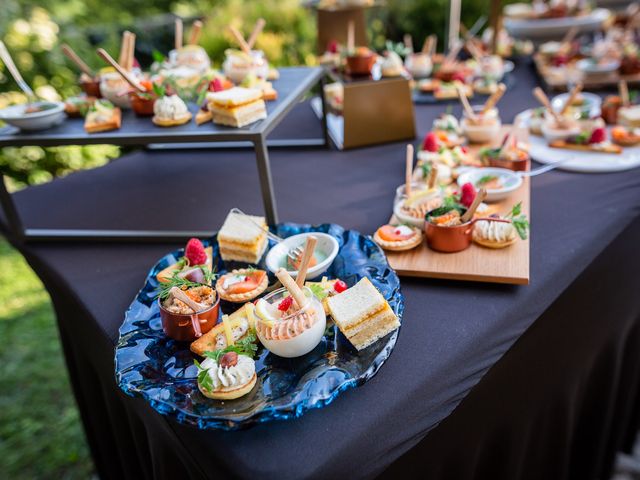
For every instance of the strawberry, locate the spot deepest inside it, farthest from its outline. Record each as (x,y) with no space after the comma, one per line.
(216,85)
(340,286)
(599,135)
(458,76)
(332,46)
(195,253)
(285,304)
(430,142)
(468,194)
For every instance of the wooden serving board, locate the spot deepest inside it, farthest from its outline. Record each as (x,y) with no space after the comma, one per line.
(507,265)
(589,82)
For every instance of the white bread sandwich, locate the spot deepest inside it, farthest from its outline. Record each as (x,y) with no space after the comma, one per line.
(237,106)
(241,239)
(362,314)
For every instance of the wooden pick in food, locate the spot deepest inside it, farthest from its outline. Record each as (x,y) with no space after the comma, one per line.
(468,215)
(178,34)
(307,255)
(434,45)
(427,45)
(572,96)
(494,98)
(184,298)
(408,171)
(196,30)
(473,50)
(408,42)
(544,100)
(465,104)
(351,36)
(453,53)
(257,30)
(568,38)
(132,50)
(130,80)
(240,39)
(624,92)
(433,176)
(73,56)
(124,48)
(292,287)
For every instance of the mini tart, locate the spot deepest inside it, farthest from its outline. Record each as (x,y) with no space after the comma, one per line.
(399,245)
(230,394)
(241,297)
(171,122)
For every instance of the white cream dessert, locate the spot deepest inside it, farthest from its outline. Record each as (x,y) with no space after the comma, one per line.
(230,377)
(286,330)
(418,64)
(239,64)
(494,234)
(392,65)
(170,107)
(629,116)
(483,128)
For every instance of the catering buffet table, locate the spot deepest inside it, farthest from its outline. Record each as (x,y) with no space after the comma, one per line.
(486,381)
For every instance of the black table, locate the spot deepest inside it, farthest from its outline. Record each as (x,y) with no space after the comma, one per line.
(486,381)
(293,84)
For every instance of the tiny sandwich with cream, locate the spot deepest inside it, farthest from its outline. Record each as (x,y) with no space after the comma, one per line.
(242,238)
(237,106)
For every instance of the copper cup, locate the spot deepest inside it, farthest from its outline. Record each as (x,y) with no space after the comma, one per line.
(91,88)
(361,64)
(451,239)
(520,165)
(142,106)
(185,327)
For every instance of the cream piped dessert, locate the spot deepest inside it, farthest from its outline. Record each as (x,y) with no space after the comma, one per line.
(290,321)
(502,234)
(229,377)
(392,65)
(170,110)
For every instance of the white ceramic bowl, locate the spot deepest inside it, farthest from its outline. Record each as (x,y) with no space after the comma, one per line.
(327,246)
(511,181)
(16,116)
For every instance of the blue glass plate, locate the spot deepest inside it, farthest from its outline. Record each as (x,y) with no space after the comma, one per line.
(161,370)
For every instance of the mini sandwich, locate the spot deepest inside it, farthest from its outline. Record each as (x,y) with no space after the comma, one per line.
(102,117)
(242,238)
(235,327)
(362,314)
(237,106)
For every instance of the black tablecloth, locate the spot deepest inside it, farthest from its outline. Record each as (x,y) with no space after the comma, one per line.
(542,379)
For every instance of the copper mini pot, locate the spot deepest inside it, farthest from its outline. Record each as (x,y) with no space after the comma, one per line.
(91,88)
(361,64)
(142,106)
(186,328)
(451,239)
(520,165)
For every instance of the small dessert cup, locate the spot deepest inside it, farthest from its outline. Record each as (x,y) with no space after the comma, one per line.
(486,127)
(187,327)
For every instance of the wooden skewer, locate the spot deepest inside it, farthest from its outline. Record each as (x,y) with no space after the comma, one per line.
(453,53)
(240,39)
(568,38)
(132,50)
(307,255)
(73,56)
(184,298)
(465,104)
(178,34)
(408,171)
(480,196)
(624,92)
(257,30)
(130,80)
(544,100)
(494,98)
(124,48)
(408,42)
(572,96)
(433,176)
(196,30)
(473,50)
(426,46)
(434,45)
(351,36)
(292,287)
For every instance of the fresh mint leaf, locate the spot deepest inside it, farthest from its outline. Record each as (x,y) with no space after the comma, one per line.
(318,291)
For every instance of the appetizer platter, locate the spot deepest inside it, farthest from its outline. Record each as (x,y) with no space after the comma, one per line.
(569,130)
(258,324)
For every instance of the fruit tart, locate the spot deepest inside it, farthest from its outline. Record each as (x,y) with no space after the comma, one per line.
(588,141)
(242,285)
(398,238)
(501,235)
(626,137)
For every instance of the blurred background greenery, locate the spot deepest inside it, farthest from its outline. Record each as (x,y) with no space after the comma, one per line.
(40,431)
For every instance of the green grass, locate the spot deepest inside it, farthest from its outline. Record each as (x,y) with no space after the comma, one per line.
(40,431)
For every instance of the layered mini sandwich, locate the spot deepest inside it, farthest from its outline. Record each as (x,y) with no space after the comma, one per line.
(242,238)
(237,106)
(362,314)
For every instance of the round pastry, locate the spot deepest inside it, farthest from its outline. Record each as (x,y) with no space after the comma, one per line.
(232,376)
(494,234)
(170,111)
(397,238)
(242,285)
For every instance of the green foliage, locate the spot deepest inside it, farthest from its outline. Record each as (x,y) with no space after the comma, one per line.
(40,431)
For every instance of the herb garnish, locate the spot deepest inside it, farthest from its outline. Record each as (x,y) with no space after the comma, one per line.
(426,169)
(519,220)
(486,179)
(318,291)
(164,288)
(159,90)
(246,346)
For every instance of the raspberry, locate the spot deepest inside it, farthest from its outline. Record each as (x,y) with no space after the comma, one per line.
(599,135)
(468,194)
(216,85)
(430,142)
(332,46)
(458,76)
(340,286)
(194,251)
(285,304)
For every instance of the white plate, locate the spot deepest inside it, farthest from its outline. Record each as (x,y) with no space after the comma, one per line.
(555,28)
(327,244)
(511,181)
(16,116)
(587,162)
